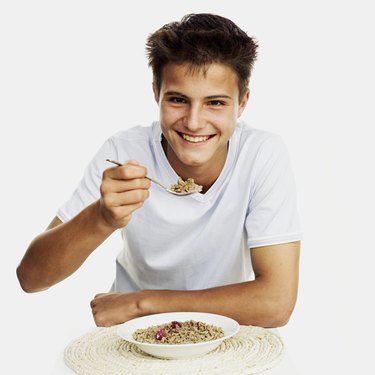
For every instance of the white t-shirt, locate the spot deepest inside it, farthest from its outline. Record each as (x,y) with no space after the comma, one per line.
(201,240)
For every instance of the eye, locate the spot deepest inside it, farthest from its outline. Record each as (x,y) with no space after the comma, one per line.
(177,100)
(216,103)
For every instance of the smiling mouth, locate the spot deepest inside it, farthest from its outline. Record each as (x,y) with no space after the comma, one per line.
(195,139)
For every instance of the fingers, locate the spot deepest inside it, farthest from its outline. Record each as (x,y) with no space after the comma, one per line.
(109,309)
(134,162)
(125,178)
(123,190)
(95,309)
(126,198)
(129,171)
(99,295)
(111,185)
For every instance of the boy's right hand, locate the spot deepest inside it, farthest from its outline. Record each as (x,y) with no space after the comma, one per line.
(123,190)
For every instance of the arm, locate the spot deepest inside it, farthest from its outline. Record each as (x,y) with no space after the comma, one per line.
(267,301)
(63,247)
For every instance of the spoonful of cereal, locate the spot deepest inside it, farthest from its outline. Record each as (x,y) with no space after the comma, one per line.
(182,188)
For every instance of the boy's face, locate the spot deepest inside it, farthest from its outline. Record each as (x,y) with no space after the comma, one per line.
(198,114)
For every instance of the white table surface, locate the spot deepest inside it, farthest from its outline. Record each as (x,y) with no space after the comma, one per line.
(284,367)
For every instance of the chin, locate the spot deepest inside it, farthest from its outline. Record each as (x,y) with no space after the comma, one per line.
(192,162)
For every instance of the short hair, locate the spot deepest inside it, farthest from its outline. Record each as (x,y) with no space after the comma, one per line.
(200,40)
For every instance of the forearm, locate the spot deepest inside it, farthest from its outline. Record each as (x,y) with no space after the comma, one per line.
(253,303)
(267,301)
(58,252)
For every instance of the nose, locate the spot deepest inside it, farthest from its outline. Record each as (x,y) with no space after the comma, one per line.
(194,118)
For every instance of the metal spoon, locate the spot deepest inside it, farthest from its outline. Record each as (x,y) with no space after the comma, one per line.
(157,183)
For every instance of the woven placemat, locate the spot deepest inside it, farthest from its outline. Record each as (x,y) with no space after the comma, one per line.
(102,351)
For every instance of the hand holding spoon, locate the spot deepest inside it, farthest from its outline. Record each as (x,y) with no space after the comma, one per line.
(183,193)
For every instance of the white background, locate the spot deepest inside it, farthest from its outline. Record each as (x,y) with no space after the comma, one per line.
(74,72)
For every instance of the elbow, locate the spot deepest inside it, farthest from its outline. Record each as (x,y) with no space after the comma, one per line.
(279,315)
(279,320)
(26,281)
(271,320)
(274,315)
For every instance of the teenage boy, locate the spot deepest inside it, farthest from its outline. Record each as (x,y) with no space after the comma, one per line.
(232,249)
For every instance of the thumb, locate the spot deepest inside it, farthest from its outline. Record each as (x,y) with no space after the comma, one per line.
(132,162)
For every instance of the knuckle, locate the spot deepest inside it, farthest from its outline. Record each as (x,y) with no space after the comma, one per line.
(125,172)
(106,186)
(105,173)
(103,188)
(108,200)
(99,321)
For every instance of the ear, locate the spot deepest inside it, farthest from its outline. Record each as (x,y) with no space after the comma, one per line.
(243,102)
(155,90)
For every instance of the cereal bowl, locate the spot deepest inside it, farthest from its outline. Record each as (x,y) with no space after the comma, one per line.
(177,351)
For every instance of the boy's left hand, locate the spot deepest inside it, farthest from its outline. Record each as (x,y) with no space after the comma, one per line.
(109,309)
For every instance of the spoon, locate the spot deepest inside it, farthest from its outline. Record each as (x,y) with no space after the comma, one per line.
(157,183)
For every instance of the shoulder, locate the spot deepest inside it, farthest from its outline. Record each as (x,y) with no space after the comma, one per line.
(132,134)
(258,141)
(138,139)
(136,143)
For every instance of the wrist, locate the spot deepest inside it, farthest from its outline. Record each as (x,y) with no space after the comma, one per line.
(162,301)
(102,224)
(147,303)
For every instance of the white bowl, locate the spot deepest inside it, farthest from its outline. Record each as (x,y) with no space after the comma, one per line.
(176,351)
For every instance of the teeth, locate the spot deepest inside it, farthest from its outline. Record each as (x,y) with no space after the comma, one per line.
(195,139)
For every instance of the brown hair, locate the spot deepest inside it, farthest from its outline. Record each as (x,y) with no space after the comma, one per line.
(200,40)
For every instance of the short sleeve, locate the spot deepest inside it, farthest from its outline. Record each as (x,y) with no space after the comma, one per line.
(272,216)
(88,190)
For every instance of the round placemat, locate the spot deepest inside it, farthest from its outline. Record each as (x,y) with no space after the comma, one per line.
(102,351)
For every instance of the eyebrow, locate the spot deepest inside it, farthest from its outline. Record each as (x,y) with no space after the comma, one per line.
(211,97)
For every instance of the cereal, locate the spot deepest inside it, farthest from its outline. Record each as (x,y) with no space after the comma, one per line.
(187,332)
(188,186)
